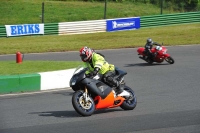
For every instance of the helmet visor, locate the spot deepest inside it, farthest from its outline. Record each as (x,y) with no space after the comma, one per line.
(83,57)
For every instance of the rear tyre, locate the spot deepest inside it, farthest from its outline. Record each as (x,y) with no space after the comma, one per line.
(130,102)
(170,60)
(83,108)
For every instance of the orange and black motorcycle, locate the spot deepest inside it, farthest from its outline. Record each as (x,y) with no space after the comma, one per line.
(93,94)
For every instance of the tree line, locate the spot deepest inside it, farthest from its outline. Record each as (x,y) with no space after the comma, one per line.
(179,5)
(186,5)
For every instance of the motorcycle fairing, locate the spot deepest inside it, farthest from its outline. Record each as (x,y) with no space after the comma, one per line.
(97,87)
(119,73)
(160,56)
(109,102)
(140,51)
(104,103)
(77,78)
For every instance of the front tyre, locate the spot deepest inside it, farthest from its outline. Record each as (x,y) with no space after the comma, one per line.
(81,106)
(131,101)
(170,60)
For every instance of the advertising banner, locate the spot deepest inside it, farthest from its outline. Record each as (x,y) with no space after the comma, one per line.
(123,24)
(24,29)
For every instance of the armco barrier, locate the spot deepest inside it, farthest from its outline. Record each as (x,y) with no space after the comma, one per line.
(35,82)
(3,31)
(51,29)
(169,19)
(81,27)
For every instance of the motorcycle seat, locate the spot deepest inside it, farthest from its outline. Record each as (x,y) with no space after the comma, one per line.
(119,73)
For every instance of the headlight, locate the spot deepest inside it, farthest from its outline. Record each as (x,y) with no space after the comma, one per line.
(73,80)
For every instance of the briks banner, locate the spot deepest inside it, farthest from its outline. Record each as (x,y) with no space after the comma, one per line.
(123,24)
(25,29)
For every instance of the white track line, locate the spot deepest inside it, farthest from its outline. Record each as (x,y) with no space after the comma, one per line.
(31,93)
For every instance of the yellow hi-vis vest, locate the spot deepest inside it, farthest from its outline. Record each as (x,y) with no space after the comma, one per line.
(100,62)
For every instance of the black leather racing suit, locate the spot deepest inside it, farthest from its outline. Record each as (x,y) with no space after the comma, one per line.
(148,47)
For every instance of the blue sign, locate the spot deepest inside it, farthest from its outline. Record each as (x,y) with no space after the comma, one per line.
(25,29)
(123,24)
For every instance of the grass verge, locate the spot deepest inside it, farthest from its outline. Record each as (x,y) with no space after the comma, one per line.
(13,68)
(170,35)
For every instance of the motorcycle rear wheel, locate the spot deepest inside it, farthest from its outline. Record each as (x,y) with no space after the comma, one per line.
(131,102)
(170,60)
(83,108)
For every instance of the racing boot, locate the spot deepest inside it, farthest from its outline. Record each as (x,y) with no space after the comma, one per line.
(116,84)
(119,89)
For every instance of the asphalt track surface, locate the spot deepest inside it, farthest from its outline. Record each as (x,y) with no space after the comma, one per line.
(168,99)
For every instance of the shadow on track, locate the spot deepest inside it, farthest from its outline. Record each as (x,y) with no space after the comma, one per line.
(101,111)
(144,64)
(67,114)
(61,114)
(65,93)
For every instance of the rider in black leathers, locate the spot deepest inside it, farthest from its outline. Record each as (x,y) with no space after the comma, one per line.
(148,46)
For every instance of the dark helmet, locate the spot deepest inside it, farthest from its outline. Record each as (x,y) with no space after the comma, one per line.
(149,41)
(86,53)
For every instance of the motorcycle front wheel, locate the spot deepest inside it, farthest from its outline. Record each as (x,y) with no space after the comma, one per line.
(131,101)
(170,60)
(83,107)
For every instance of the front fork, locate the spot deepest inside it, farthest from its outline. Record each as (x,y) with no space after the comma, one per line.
(85,95)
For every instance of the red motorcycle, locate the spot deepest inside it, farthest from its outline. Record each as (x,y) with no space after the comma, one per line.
(160,54)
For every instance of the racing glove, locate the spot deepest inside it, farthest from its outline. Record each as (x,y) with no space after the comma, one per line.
(88,75)
(94,73)
(96,70)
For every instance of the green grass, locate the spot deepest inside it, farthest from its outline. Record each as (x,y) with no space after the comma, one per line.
(169,35)
(29,11)
(12,68)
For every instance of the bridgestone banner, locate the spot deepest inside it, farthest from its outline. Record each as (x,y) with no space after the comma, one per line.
(25,29)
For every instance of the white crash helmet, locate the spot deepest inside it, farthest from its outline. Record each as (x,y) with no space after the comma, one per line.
(158,48)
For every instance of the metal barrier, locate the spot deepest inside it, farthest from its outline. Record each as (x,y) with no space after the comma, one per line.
(82,27)
(168,19)
(145,21)
(3,31)
(51,29)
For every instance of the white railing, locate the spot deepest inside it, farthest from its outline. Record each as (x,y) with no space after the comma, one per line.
(81,27)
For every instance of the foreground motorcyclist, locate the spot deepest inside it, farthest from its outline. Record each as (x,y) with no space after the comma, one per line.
(148,46)
(97,64)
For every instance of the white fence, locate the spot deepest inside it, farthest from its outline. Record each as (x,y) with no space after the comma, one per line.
(81,27)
